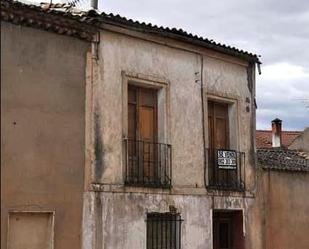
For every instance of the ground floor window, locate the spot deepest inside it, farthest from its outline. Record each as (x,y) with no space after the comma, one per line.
(163,231)
(228,230)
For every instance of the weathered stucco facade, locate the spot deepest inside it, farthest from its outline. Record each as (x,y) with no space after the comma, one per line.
(187,76)
(42,138)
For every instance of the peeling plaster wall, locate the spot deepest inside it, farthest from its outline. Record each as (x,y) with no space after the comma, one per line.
(229,82)
(121,218)
(120,53)
(42,128)
(124,218)
(121,210)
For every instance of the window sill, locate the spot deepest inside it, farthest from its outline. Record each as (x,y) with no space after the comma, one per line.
(225,189)
(148,185)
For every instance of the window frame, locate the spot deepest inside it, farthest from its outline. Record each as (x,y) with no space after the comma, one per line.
(138,91)
(233,116)
(171,222)
(51,213)
(233,127)
(162,86)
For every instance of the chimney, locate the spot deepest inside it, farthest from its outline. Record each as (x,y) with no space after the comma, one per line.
(276,127)
(94,4)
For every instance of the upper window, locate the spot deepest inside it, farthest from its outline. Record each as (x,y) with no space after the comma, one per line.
(142,114)
(224,164)
(163,231)
(218,125)
(147,160)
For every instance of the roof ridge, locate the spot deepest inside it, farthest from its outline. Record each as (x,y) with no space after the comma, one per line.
(286,131)
(180,32)
(283,159)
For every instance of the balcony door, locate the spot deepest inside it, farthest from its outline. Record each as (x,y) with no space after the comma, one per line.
(218,123)
(142,132)
(218,127)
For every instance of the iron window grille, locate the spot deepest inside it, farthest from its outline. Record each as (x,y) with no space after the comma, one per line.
(147,164)
(164,231)
(226,178)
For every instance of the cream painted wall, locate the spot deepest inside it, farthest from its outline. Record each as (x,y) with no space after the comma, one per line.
(121,54)
(114,214)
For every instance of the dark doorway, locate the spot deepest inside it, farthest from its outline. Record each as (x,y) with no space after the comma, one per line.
(228,230)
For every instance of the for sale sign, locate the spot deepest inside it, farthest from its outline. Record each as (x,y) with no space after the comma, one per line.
(227,159)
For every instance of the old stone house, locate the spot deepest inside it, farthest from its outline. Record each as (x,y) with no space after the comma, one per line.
(171,141)
(149,130)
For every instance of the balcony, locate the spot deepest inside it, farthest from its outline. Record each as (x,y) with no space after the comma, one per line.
(147,164)
(226,170)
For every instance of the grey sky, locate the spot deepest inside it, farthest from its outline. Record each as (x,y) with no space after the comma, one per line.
(276,29)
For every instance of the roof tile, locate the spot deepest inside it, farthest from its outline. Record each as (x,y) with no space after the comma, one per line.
(102,18)
(264,138)
(287,160)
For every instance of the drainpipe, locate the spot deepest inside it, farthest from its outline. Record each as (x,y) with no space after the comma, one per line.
(203,121)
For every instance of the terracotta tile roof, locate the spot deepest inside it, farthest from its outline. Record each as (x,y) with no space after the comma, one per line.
(61,22)
(288,160)
(178,34)
(264,138)
(13,11)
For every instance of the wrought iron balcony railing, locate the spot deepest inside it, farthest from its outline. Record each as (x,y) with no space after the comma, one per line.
(226,170)
(147,164)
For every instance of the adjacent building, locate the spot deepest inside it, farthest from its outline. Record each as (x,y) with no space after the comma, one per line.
(283,185)
(301,143)
(43,87)
(277,137)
